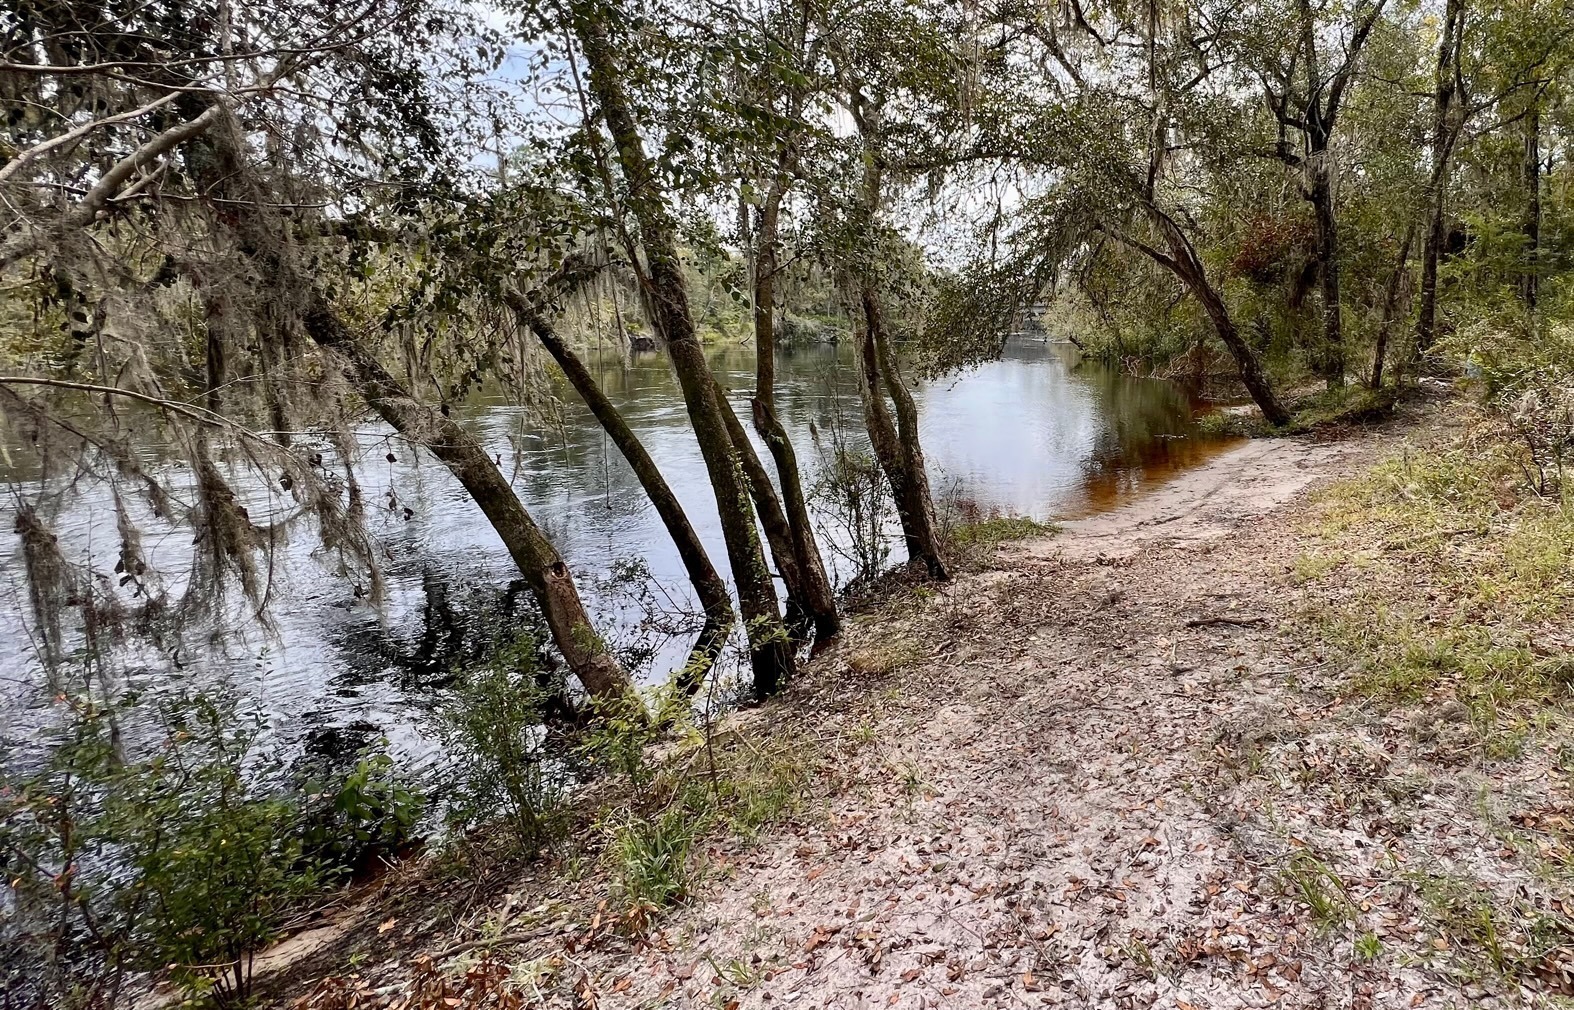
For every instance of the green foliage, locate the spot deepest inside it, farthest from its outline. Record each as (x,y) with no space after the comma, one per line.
(370,814)
(505,758)
(1311,882)
(992,532)
(649,856)
(179,861)
(624,728)
(221,866)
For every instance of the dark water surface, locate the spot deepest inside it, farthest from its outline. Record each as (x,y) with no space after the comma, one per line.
(1033,434)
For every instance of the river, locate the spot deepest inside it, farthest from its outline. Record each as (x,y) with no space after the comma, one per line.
(1033,434)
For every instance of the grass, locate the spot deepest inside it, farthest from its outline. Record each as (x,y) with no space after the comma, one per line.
(1314,884)
(1483,933)
(1454,577)
(985,534)
(727,784)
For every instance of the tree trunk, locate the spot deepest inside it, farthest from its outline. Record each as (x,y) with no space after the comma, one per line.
(817,595)
(909,487)
(1185,264)
(538,561)
(265,240)
(1530,279)
(771,654)
(1444,133)
(708,583)
(912,457)
(778,535)
(1396,281)
(1321,194)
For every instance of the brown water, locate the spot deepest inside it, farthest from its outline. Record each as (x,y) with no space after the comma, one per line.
(1033,434)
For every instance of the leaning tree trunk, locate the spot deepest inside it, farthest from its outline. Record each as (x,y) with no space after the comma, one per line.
(894,447)
(708,584)
(538,561)
(778,534)
(265,240)
(817,595)
(770,652)
(1186,265)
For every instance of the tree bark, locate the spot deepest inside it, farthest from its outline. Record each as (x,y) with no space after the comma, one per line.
(1530,279)
(909,486)
(264,238)
(770,652)
(1321,194)
(1396,281)
(1444,133)
(817,595)
(778,535)
(708,584)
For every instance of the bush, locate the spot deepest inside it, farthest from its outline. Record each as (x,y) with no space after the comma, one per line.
(505,758)
(371,814)
(179,860)
(855,504)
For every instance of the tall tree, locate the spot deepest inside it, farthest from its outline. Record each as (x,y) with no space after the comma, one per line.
(1305,79)
(770,652)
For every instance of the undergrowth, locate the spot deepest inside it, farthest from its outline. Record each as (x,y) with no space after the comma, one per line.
(1443,571)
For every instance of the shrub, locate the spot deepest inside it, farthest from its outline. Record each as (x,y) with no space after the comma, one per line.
(176,860)
(371,813)
(505,758)
(852,498)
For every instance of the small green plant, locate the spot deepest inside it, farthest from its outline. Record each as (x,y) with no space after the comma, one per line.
(505,758)
(624,728)
(986,534)
(650,857)
(1368,947)
(1314,884)
(370,814)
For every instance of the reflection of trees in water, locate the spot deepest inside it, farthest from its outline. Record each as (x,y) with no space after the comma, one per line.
(1147,432)
(456,627)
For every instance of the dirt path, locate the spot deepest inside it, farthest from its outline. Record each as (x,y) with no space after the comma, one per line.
(1118,778)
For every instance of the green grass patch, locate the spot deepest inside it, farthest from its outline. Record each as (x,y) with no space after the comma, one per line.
(1458,577)
(988,533)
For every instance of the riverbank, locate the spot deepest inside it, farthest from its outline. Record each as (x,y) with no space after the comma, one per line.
(1123,766)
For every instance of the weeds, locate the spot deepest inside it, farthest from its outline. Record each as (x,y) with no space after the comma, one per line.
(1314,884)
(1457,574)
(650,856)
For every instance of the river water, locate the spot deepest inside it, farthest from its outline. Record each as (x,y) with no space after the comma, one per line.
(1034,434)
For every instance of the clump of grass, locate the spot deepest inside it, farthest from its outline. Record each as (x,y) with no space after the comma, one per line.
(883,658)
(1314,884)
(713,783)
(1348,405)
(988,533)
(650,855)
(1498,937)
